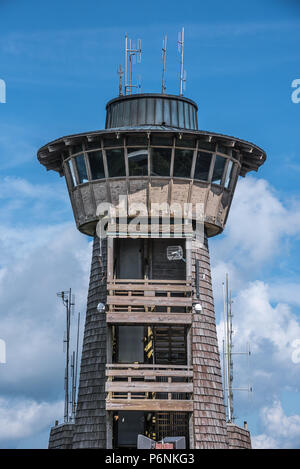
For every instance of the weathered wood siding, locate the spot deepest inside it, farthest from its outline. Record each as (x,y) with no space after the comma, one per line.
(209,410)
(90,422)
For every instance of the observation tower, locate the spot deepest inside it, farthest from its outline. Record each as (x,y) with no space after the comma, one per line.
(151,189)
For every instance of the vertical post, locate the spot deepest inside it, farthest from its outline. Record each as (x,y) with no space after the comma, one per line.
(68,311)
(125,72)
(181,62)
(164,50)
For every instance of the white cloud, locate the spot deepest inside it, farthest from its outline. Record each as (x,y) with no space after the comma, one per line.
(258,226)
(263,442)
(38,263)
(280,430)
(23,418)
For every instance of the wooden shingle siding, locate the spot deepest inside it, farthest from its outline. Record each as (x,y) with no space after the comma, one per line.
(238,438)
(90,422)
(209,410)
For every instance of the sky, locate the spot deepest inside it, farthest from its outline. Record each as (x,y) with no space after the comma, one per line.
(59,62)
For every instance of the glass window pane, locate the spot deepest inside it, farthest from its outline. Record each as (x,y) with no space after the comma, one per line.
(138,162)
(218,169)
(137,140)
(223,149)
(76,149)
(93,144)
(160,161)
(112,141)
(96,164)
(81,169)
(229,174)
(161,139)
(206,146)
(71,171)
(185,142)
(202,165)
(115,162)
(183,163)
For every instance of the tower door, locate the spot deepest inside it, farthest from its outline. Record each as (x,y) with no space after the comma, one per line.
(129,258)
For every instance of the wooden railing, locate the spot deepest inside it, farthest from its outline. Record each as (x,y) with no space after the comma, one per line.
(134,295)
(148,382)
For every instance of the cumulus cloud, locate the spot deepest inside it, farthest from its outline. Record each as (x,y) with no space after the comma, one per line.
(261,228)
(24,418)
(258,225)
(280,430)
(32,317)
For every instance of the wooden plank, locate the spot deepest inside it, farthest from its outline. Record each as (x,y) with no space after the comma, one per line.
(150,405)
(149,366)
(148,301)
(148,318)
(154,373)
(150,281)
(144,386)
(147,287)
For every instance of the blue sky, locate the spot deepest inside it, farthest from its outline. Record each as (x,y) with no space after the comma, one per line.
(59,62)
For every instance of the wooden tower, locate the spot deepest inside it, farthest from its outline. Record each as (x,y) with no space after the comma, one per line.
(150,186)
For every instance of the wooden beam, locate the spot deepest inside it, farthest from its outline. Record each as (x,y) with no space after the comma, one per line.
(148,301)
(149,282)
(149,366)
(148,318)
(147,386)
(153,373)
(150,405)
(146,287)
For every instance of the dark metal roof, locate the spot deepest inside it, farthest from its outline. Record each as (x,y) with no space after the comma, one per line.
(151,109)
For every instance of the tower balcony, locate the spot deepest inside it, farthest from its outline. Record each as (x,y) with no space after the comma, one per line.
(149,387)
(144,301)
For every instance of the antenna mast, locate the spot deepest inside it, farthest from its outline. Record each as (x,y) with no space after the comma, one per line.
(164,50)
(68,301)
(227,345)
(134,53)
(181,50)
(120,73)
(227,353)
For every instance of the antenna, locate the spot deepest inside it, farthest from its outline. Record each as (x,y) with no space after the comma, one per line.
(68,301)
(227,353)
(181,50)
(74,387)
(120,73)
(135,56)
(164,51)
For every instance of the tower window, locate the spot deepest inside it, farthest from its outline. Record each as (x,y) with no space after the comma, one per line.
(138,162)
(202,165)
(71,171)
(76,149)
(160,161)
(81,169)
(115,162)
(183,163)
(218,169)
(229,174)
(96,164)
